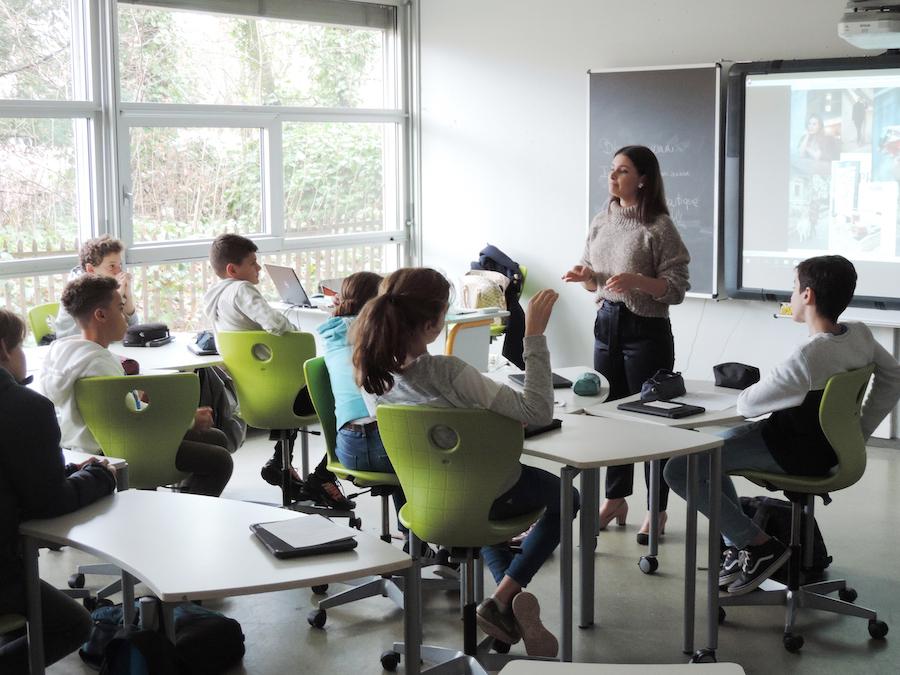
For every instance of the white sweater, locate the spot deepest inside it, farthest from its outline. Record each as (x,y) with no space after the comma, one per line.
(814,362)
(68,360)
(232,304)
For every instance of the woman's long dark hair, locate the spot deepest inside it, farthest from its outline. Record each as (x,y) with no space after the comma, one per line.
(409,300)
(356,291)
(651,197)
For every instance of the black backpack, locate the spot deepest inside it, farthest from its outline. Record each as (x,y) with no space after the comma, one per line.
(773,516)
(493,259)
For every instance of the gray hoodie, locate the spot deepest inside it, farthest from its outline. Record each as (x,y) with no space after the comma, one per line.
(233,304)
(68,360)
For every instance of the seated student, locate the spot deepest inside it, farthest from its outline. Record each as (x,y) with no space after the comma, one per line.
(101,256)
(235,304)
(392,362)
(98,308)
(34,483)
(791,441)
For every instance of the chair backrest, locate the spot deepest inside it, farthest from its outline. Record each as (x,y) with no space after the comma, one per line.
(147,437)
(268,374)
(524,270)
(450,490)
(39,319)
(839,416)
(318,382)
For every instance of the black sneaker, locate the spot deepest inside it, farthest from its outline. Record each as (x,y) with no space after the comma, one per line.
(271,473)
(758,563)
(731,566)
(499,625)
(327,492)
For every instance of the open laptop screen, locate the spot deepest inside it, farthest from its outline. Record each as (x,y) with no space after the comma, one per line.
(288,285)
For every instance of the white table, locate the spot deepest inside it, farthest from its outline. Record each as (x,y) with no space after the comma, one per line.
(585,444)
(523,667)
(565,400)
(172,356)
(725,417)
(189,547)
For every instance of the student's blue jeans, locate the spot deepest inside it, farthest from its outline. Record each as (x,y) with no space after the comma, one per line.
(535,489)
(744,449)
(364,451)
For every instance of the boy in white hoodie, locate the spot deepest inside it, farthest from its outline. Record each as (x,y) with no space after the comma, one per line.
(235,304)
(97,306)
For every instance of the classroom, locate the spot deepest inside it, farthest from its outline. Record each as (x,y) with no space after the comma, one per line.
(347,136)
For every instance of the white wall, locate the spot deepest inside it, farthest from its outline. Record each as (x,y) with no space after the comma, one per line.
(504,119)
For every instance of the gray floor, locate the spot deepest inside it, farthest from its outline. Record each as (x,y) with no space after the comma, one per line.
(639,616)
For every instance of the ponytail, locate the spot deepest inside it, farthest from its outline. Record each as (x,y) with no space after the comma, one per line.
(410,299)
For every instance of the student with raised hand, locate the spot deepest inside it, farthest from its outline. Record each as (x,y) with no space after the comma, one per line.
(235,304)
(390,355)
(791,440)
(637,265)
(99,310)
(35,483)
(101,256)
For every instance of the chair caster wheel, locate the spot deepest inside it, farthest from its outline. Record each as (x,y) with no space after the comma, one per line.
(76,581)
(878,629)
(706,655)
(316,618)
(848,594)
(320,590)
(648,564)
(501,647)
(792,642)
(721,615)
(90,604)
(390,660)
(356,523)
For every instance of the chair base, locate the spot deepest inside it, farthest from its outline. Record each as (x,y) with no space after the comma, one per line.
(76,581)
(449,661)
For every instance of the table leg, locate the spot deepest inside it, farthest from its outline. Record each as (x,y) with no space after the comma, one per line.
(712,582)
(304,452)
(590,498)
(654,509)
(690,555)
(567,475)
(127,599)
(412,627)
(35,622)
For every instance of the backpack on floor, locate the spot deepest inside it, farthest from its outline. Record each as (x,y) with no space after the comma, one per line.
(773,516)
(136,651)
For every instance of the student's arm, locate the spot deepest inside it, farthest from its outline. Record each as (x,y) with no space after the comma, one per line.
(39,477)
(255,307)
(884,393)
(785,387)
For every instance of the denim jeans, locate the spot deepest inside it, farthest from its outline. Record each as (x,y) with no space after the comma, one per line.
(535,489)
(364,451)
(629,349)
(744,449)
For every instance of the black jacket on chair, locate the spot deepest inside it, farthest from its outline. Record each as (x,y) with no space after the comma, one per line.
(492,258)
(34,482)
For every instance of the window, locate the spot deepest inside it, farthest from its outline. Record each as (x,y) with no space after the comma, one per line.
(287,122)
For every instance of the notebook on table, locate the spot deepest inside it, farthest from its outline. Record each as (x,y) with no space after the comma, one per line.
(303,536)
(288,285)
(671,409)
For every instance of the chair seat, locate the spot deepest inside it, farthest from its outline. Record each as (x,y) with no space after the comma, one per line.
(495,532)
(11,622)
(806,484)
(362,478)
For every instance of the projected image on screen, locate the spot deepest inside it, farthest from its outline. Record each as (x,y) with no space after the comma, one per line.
(822,175)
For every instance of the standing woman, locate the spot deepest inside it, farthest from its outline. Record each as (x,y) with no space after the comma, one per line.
(636,263)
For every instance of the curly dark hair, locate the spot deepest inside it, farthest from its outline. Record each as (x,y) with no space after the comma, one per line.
(93,251)
(87,293)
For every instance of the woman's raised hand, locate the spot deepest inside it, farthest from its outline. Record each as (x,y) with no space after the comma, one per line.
(579,273)
(539,308)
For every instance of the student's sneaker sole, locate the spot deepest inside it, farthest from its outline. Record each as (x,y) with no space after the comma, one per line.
(489,620)
(537,639)
(742,588)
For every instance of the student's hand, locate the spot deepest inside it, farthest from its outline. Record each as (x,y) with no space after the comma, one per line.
(579,273)
(539,308)
(102,461)
(203,419)
(624,282)
(124,279)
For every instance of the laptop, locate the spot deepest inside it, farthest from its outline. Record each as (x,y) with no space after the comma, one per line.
(288,285)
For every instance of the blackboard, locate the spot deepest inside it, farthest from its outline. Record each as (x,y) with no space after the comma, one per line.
(674,111)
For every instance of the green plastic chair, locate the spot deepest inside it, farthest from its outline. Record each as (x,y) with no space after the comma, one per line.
(499,328)
(40,319)
(147,437)
(450,491)
(268,375)
(839,416)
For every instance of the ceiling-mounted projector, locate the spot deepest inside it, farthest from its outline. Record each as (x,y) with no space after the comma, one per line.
(871,24)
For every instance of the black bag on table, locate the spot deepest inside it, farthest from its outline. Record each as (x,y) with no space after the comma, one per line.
(773,516)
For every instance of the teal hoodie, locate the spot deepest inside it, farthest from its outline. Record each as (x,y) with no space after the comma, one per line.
(348,402)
